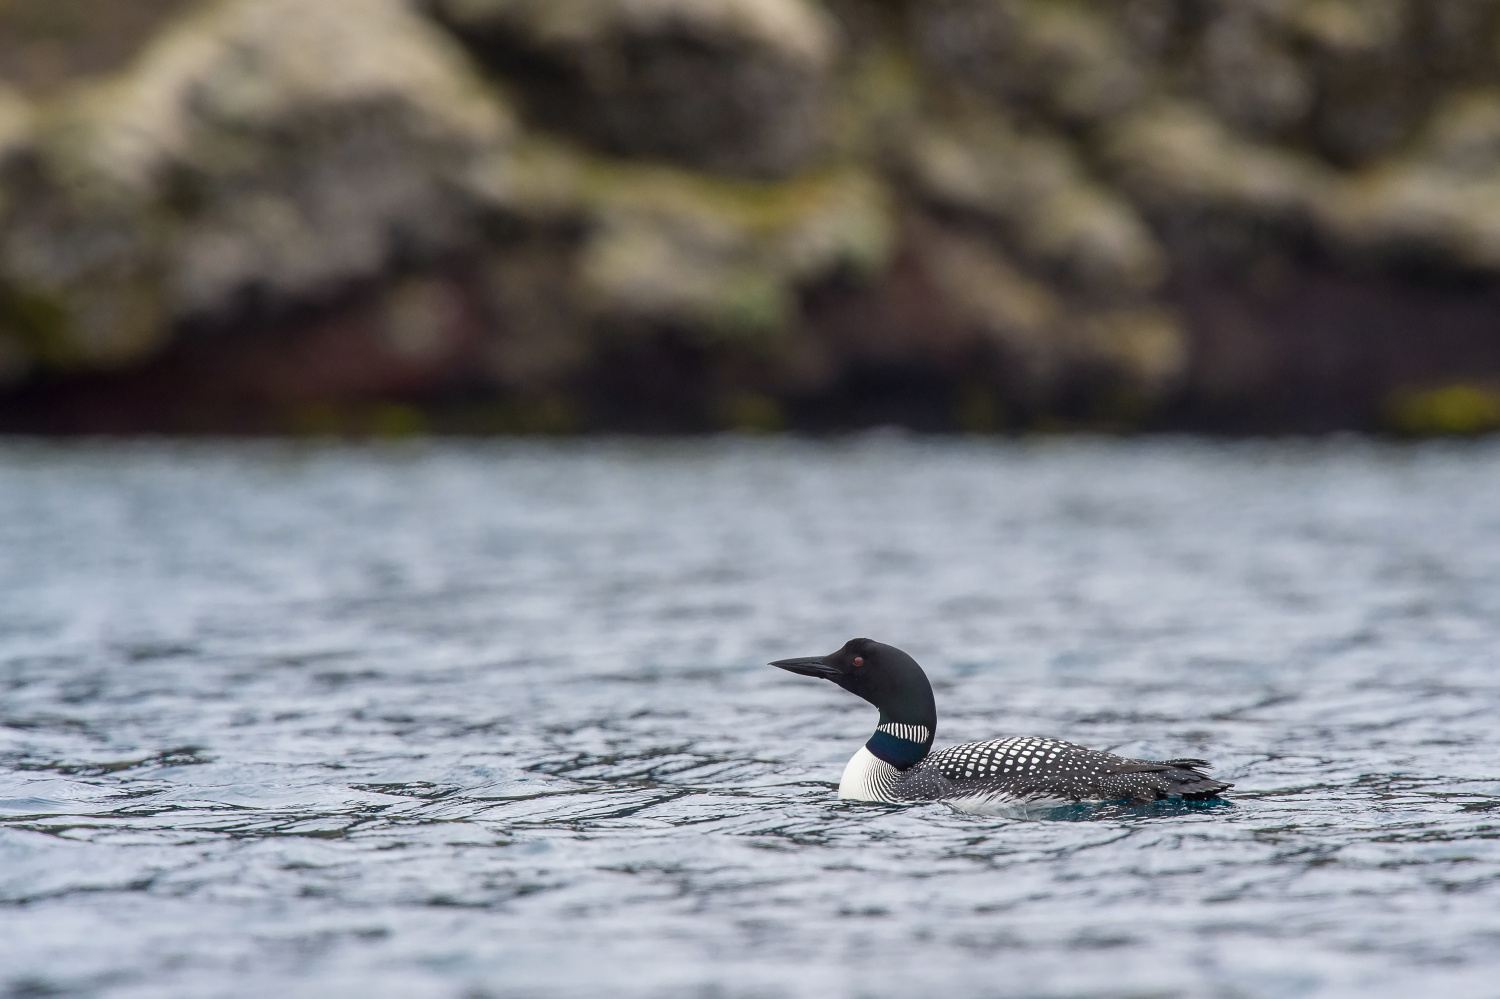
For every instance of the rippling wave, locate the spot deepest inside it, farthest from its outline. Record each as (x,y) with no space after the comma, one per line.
(493,719)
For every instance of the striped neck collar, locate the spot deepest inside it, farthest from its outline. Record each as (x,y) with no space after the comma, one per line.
(900,744)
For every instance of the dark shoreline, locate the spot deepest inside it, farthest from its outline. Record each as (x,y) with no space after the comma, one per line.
(1321,352)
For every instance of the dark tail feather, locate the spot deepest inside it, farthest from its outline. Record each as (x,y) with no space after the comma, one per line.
(1202,790)
(1186,780)
(1193,785)
(1176,779)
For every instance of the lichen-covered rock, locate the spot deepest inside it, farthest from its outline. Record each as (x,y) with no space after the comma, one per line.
(15,137)
(660,260)
(787,194)
(83,279)
(1462,136)
(266,151)
(1349,27)
(540,334)
(713,257)
(1441,201)
(1251,76)
(1033,187)
(1372,79)
(1145,345)
(1378,66)
(1047,336)
(988,292)
(727,262)
(15,122)
(1070,60)
(1175,156)
(738,86)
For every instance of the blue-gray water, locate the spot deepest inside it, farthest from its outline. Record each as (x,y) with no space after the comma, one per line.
(493,720)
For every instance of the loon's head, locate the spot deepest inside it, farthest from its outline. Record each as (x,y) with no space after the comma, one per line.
(883,675)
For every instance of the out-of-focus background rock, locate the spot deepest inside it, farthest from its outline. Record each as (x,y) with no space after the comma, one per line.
(383,216)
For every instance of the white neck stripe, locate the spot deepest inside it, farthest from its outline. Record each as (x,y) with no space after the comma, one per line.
(911,733)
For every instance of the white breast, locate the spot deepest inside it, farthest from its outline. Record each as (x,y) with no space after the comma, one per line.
(868,778)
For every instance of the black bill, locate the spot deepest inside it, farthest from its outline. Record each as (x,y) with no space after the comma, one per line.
(808,666)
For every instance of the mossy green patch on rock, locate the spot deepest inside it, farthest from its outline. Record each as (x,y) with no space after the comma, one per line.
(30,331)
(714,256)
(1458,409)
(683,269)
(751,413)
(85,282)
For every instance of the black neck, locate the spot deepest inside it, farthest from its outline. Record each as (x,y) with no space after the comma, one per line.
(902,744)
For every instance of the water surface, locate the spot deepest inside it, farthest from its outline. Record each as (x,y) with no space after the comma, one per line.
(493,720)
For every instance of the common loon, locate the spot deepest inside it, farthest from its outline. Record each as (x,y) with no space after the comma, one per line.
(1019,776)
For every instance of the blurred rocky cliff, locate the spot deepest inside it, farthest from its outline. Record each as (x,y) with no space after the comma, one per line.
(376,216)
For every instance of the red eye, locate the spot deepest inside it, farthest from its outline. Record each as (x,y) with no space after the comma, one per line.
(859,660)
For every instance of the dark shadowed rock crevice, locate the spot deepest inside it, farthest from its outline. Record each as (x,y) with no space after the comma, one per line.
(736,86)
